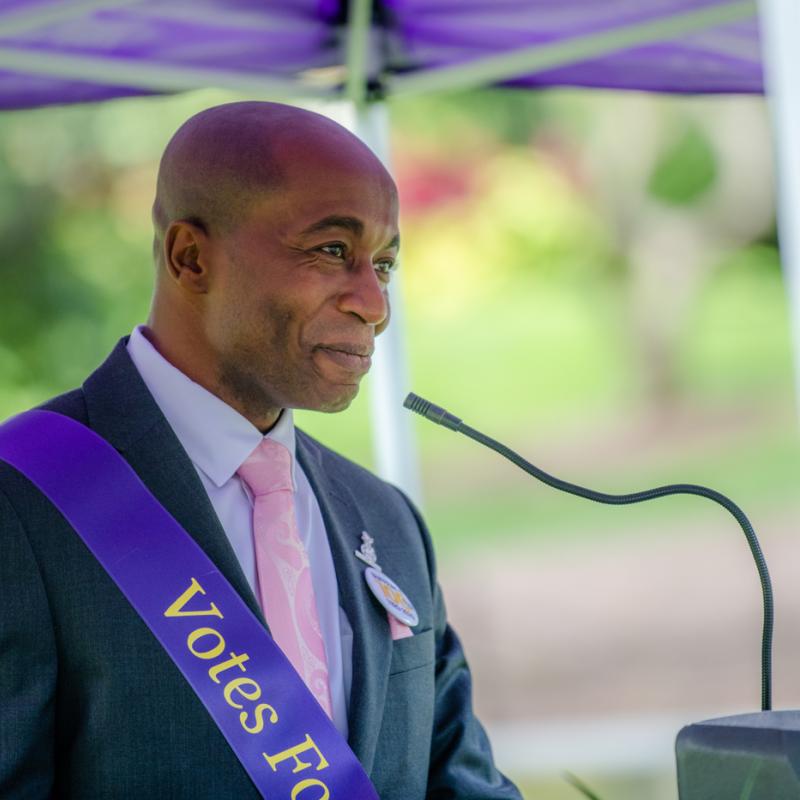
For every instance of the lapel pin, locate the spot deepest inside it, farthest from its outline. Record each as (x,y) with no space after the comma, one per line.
(367,552)
(387,592)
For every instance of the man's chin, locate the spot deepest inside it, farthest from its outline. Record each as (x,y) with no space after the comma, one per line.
(329,402)
(340,403)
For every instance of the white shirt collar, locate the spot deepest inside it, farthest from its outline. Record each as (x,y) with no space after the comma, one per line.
(216,437)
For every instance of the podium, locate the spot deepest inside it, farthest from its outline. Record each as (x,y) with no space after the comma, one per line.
(745,757)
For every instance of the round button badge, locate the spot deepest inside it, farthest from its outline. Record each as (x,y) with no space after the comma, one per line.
(391,596)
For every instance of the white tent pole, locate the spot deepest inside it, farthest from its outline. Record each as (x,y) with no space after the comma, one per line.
(393,440)
(394,443)
(781,35)
(357,52)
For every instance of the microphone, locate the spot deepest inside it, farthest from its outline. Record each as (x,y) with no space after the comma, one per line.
(440,416)
(753,756)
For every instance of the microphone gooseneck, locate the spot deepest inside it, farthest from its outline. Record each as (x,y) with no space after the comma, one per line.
(438,415)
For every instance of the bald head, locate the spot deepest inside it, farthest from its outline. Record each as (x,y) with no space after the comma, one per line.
(224,159)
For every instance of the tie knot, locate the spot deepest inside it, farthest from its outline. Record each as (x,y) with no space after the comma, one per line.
(267,469)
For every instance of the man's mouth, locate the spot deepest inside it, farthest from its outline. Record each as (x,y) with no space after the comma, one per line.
(355,359)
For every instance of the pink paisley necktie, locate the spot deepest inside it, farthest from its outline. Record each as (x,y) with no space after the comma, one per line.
(284,575)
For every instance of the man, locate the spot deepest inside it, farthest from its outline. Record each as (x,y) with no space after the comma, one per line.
(275,240)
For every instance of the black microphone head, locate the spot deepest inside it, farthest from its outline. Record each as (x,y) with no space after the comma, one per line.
(432,412)
(415,403)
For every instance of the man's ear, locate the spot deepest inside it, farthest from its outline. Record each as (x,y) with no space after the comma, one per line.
(186,255)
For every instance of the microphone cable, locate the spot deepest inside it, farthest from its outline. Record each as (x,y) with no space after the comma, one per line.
(439,416)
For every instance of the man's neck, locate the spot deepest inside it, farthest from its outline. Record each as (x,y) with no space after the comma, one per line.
(193,368)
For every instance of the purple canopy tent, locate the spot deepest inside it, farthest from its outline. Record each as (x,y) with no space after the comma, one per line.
(69,51)
(57,51)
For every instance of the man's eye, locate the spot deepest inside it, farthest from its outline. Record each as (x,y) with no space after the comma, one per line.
(386,266)
(335,250)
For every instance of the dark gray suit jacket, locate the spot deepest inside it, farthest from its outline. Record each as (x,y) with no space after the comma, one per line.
(92,707)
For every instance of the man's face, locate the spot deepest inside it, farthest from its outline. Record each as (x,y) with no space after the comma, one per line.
(299,290)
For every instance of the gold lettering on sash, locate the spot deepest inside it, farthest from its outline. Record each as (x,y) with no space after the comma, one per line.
(233,661)
(240,687)
(235,686)
(176,609)
(308,782)
(199,634)
(294,752)
(258,711)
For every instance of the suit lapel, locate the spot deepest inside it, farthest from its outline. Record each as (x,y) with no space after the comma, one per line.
(371,640)
(122,411)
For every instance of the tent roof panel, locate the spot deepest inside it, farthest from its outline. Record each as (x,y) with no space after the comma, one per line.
(56,52)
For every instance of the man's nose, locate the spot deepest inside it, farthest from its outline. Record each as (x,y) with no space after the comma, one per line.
(365,295)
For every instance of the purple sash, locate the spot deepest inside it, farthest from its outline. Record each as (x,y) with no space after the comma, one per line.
(285,741)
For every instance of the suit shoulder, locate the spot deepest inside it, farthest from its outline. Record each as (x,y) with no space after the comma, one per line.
(346,469)
(70,404)
(373,494)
